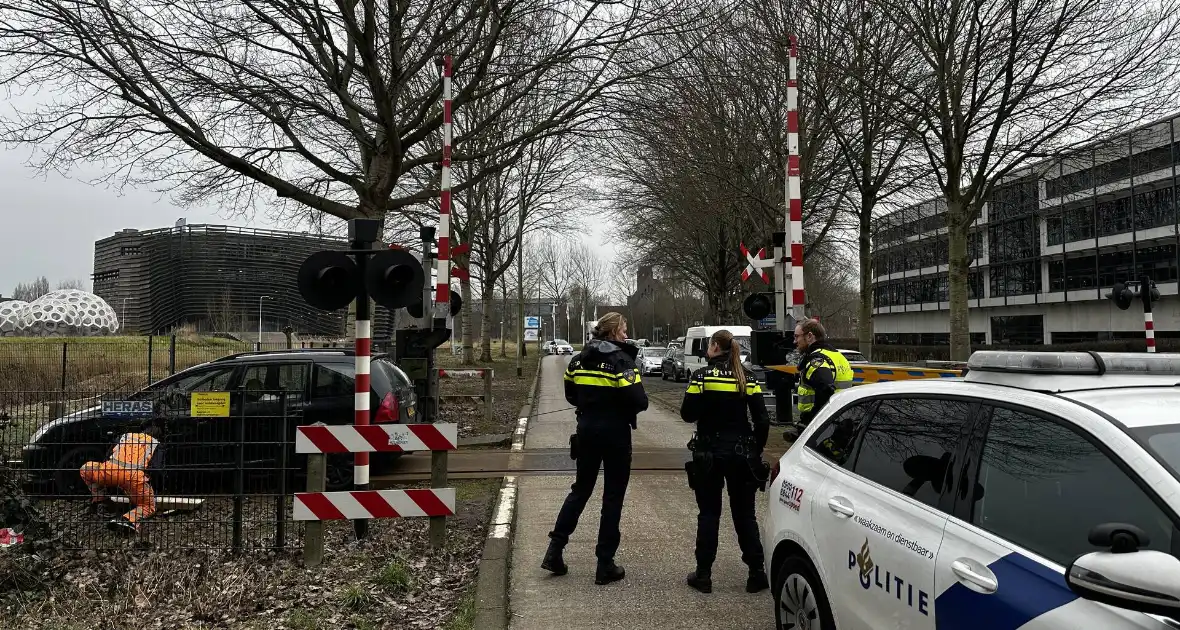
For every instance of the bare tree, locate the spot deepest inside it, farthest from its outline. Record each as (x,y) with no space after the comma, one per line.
(74,283)
(1006,82)
(27,292)
(699,161)
(309,108)
(872,137)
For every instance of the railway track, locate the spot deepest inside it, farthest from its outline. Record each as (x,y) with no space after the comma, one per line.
(488,464)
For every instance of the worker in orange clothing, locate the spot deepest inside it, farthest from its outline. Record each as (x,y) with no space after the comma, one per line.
(126,470)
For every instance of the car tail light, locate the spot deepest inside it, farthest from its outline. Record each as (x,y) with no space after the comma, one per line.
(388,412)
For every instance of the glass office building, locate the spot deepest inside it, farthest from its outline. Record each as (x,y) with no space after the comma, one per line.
(1050,243)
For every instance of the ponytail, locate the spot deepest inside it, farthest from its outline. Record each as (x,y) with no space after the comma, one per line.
(724,341)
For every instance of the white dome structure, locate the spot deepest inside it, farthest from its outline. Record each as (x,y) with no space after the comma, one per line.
(68,313)
(11,315)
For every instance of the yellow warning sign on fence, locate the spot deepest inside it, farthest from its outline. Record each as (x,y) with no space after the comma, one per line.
(209,405)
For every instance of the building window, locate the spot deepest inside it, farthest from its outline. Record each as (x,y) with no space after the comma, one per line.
(1079,223)
(1018,330)
(974,285)
(1150,161)
(1056,276)
(1022,278)
(1157,262)
(130,250)
(1081,272)
(1115,266)
(1114,217)
(1055,228)
(1154,208)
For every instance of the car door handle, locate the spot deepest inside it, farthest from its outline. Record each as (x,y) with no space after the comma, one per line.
(975,576)
(841,507)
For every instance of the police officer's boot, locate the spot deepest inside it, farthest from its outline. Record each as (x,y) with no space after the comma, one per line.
(608,572)
(701,580)
(553,561)
(757,581)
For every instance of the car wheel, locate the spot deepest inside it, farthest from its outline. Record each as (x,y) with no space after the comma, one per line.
(800,600)
(339,472)
(66,479)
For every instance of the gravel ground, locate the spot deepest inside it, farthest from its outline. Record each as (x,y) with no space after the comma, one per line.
(390,580)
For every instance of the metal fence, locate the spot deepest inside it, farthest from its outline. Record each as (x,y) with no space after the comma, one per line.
(222,477)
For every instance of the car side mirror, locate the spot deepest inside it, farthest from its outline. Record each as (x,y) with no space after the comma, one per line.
(1141,580)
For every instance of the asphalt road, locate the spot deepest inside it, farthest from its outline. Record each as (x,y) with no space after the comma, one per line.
(659,527)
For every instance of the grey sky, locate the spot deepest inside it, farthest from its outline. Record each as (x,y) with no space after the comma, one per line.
(49,224)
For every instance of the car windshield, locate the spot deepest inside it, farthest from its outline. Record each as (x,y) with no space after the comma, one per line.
(654,352)
(561,342)
(854,357)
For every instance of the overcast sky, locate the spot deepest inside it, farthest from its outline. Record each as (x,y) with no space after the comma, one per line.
(50,223)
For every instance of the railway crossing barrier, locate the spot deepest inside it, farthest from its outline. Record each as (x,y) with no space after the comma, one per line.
(316,506)
(486,397)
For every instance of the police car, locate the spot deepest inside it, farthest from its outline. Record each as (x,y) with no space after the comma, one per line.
(1041,491)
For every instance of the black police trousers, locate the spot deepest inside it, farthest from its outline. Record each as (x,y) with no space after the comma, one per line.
(605,444)
(732,470)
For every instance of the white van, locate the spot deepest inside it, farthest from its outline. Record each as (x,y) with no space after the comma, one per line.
(696,344)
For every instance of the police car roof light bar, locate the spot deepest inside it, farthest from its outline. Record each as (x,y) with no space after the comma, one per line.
(1074,363)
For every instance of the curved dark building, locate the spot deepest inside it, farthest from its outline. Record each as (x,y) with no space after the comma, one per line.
(213,277)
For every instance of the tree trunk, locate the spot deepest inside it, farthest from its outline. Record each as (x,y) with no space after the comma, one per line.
(468,333)
(503,316)
(487,296)
(957,279)
(865,323)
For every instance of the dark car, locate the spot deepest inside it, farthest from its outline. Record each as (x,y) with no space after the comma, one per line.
(673,365)
(200,453)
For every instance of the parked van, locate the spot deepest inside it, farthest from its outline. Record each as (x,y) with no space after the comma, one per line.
(696,344)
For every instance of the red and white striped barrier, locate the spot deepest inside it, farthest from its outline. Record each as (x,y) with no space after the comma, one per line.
(796,298)
(376,438)
(464,373)
(366,504)
(442,296)
(1149,328)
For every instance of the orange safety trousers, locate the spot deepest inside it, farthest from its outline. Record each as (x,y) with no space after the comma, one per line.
(133,482)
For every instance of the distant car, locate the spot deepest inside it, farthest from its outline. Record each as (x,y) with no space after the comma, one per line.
(561,346)
(673,365)
(547,347)
(853,356)
(650,360)
(200,452)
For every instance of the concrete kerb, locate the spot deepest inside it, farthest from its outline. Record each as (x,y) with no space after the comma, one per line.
(491,589)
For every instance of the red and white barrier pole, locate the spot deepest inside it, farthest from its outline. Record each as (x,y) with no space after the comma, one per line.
(442,295)
(1149,328)
(796,298)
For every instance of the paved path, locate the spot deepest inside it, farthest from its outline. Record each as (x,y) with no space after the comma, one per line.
(659,526)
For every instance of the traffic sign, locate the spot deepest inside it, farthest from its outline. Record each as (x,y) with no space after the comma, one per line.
(767,322)
(755,264)
(530,334)
(532,322)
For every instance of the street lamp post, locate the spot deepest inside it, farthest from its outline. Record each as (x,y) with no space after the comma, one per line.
(123,313)
(260,299)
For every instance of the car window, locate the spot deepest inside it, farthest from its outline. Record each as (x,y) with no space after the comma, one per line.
(208,380)
(1044,486)
(910,444)
(264,381)
(855,356)
(837,438)
(329,382)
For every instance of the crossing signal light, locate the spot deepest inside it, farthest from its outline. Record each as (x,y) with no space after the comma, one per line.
(758,305)
(415,309)
(330,280)
(1121,295)
(394,278)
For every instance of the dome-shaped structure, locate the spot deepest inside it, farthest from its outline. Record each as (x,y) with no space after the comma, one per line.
(68,313)
(11,315)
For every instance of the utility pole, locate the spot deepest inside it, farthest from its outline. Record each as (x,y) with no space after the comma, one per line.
(520,299)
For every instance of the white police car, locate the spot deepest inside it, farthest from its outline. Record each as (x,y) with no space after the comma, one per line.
(1041,491)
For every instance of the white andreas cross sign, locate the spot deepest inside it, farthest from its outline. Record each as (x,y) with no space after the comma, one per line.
(756,264)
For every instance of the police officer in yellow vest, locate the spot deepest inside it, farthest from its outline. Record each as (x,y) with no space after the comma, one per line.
(822,371)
